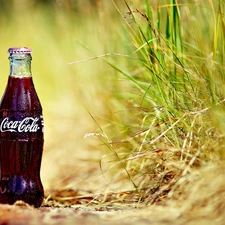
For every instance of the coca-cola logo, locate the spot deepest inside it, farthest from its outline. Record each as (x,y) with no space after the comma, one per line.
(28,124)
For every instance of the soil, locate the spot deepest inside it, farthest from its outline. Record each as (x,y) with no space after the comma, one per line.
(21,213)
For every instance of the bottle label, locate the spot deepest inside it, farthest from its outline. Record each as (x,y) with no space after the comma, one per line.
(28,124)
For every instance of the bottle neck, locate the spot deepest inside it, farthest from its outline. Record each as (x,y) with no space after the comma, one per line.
(20,65)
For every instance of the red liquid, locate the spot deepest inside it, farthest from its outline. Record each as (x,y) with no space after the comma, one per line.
(21,143)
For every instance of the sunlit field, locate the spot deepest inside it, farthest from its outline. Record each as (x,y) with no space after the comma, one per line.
(133,100)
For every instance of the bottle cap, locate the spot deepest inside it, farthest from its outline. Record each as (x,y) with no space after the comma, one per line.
(20,50)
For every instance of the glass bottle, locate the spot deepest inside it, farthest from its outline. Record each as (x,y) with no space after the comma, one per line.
(21,134)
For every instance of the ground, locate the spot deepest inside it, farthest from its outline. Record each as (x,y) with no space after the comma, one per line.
(21,213)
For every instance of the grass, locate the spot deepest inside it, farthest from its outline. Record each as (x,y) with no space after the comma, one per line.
(175,65)
(146,79)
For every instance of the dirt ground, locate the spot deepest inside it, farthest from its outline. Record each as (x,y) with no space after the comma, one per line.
(24,214)
(21,213)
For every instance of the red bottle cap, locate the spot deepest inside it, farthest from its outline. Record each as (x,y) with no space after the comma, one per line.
(20,50)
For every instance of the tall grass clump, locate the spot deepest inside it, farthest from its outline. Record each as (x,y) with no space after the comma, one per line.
(173,123)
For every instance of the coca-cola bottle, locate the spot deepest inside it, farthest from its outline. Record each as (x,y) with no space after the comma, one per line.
(21,134)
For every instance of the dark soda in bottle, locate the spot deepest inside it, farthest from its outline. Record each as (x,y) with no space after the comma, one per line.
(21,134)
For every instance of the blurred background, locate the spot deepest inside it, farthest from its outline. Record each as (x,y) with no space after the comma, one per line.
(60,32)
